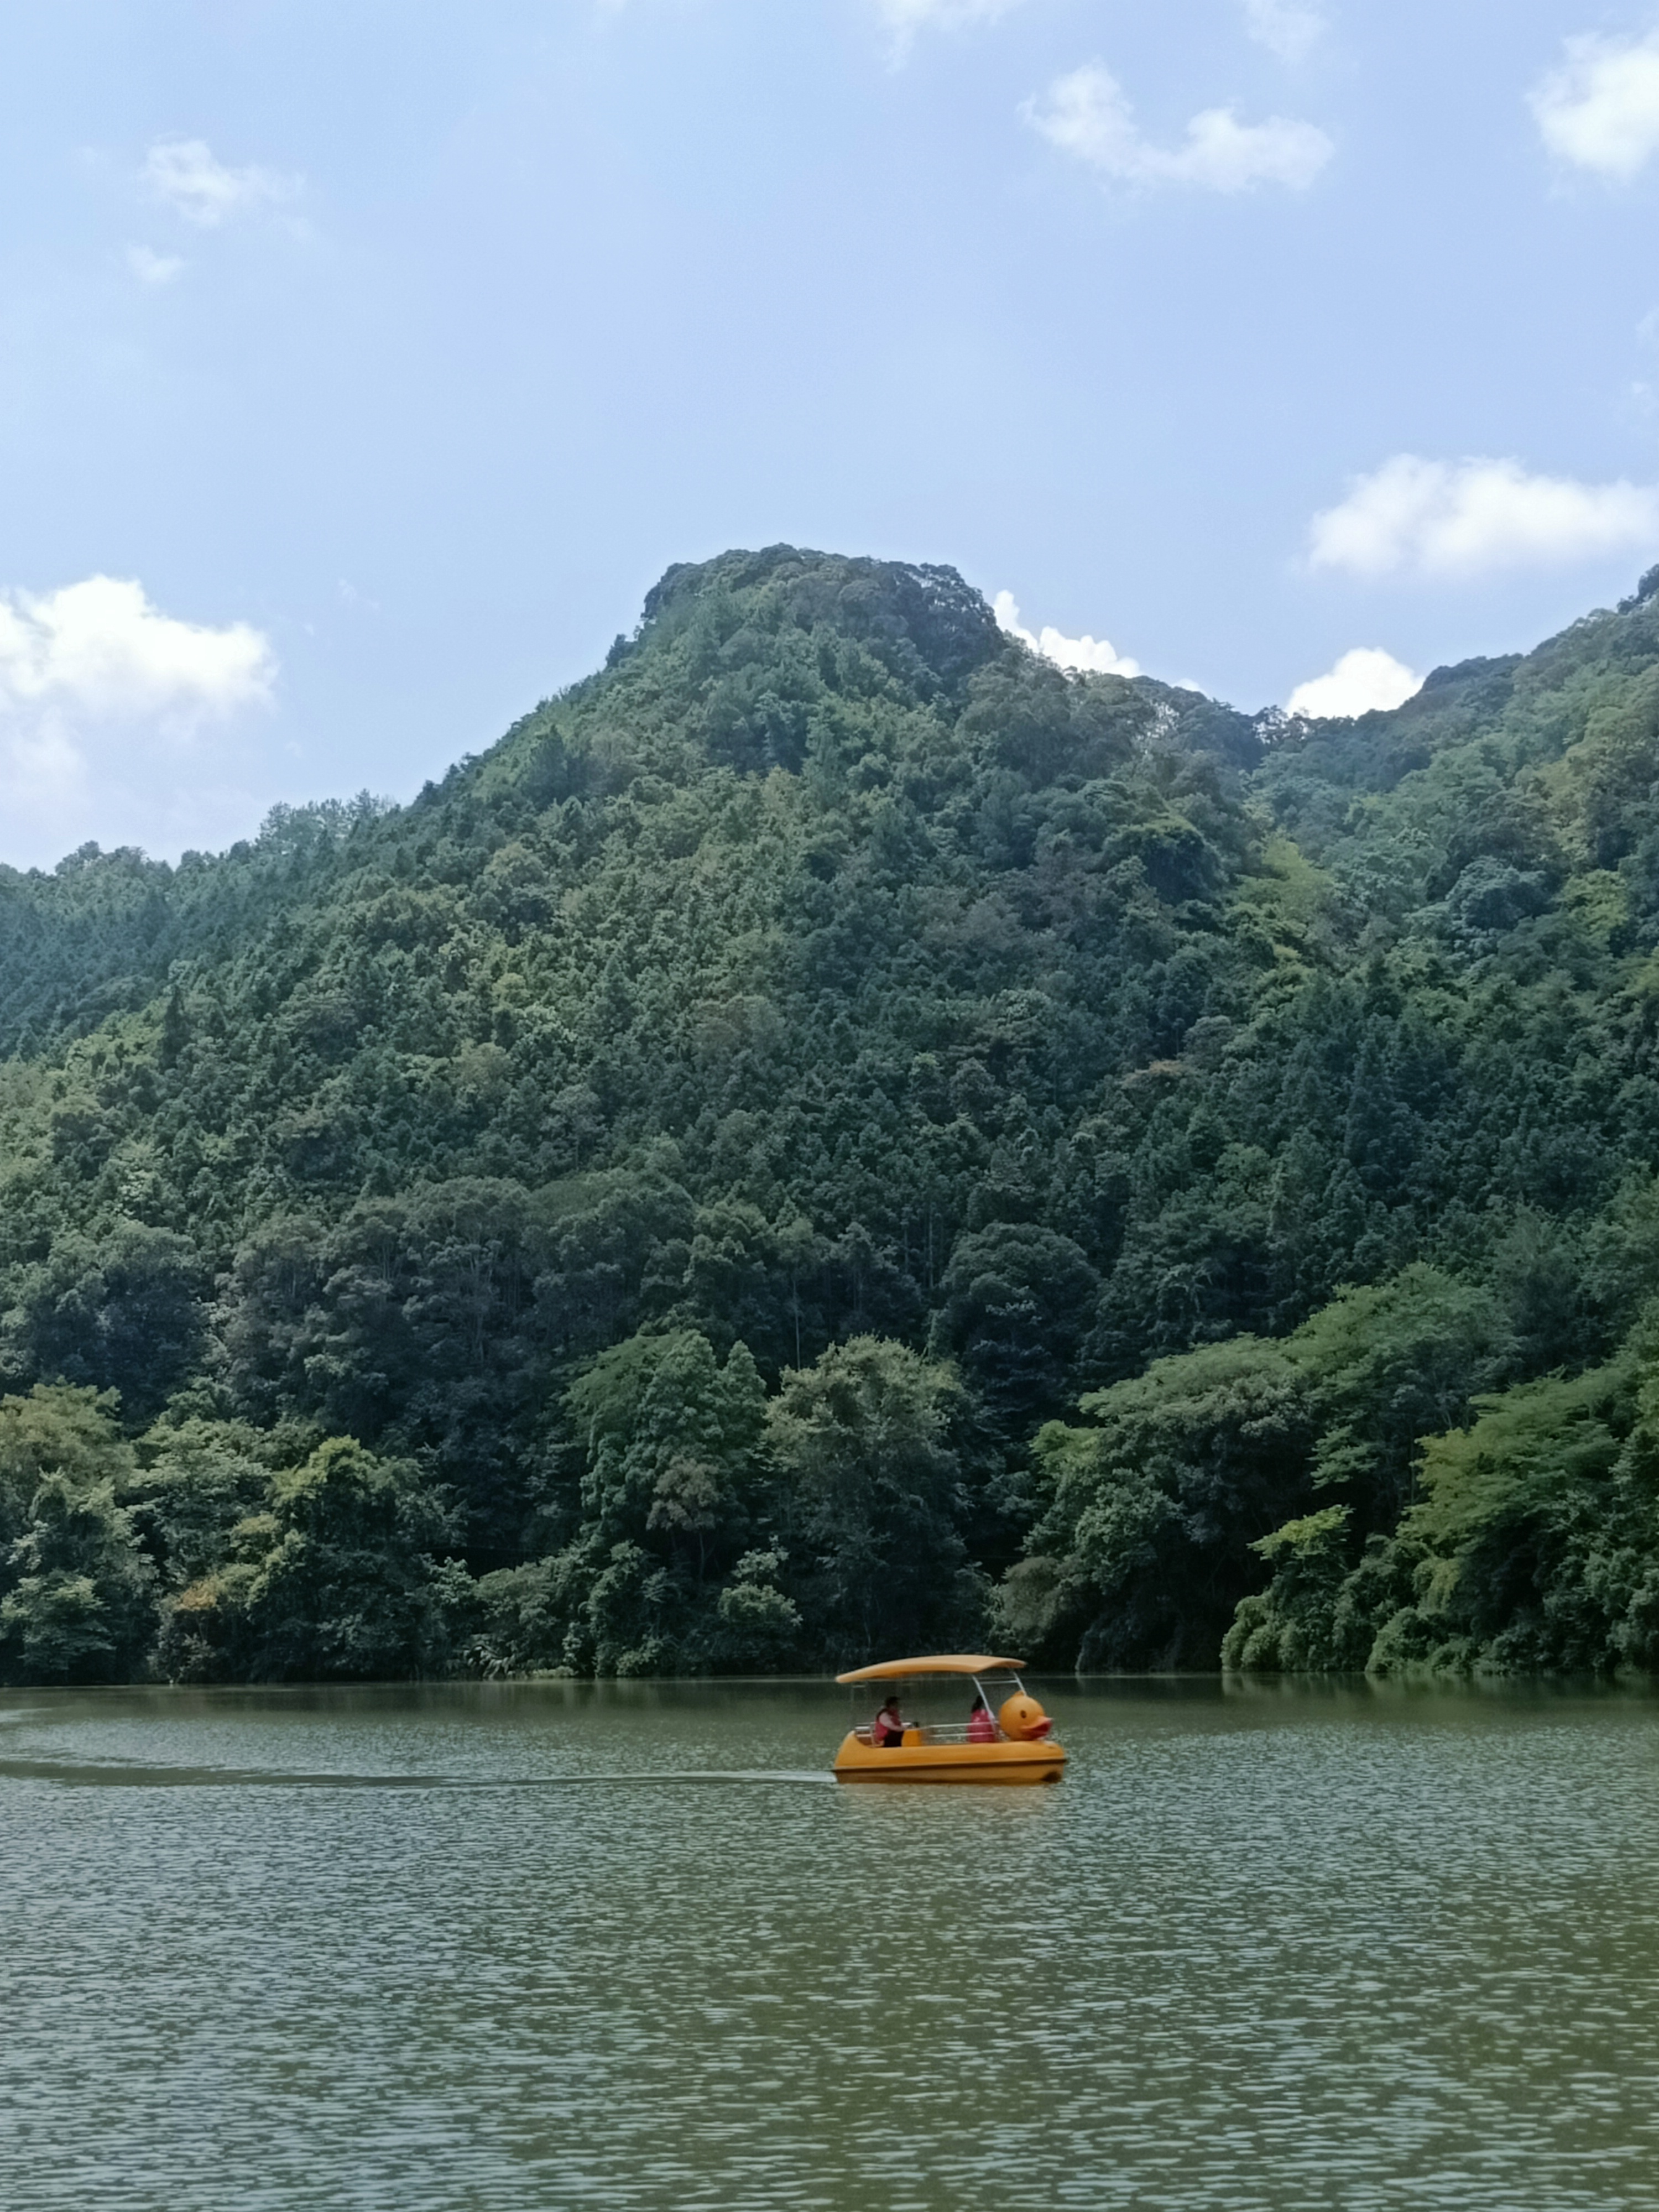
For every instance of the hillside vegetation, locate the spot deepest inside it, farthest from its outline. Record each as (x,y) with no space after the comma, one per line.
(835,1136)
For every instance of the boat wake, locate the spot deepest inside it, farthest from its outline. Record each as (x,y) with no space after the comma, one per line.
(130,1774)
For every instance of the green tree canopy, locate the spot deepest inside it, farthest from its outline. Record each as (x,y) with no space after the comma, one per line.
(865,1441)
(340,1577)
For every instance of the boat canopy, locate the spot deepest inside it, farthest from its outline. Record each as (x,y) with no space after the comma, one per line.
(942,1663)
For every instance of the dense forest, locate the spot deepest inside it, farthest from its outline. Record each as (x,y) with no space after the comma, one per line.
(836,1136)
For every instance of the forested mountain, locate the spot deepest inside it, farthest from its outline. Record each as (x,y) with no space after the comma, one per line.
(835,1135)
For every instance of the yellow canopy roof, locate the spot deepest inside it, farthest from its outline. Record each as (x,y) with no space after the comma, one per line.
(942,1663)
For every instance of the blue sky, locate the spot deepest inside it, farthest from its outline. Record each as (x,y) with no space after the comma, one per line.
(361,366)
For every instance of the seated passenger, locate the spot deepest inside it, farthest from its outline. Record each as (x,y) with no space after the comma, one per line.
(981,1728)
(888,1727)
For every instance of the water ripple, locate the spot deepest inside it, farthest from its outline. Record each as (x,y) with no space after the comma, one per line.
(281,1954)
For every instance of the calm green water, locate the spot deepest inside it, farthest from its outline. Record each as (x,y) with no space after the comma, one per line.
(552,1945)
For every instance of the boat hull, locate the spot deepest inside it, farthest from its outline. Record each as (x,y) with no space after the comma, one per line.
(1008,1764)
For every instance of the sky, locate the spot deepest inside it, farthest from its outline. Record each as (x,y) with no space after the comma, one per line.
(361,367)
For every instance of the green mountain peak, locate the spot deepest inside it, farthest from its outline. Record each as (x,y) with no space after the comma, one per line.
(834,1124)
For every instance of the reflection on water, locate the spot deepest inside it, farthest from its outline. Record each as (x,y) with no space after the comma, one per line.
(486,1947)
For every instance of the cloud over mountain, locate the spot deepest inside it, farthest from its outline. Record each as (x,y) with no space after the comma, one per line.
(1462,518)
(99,689)
(1096,654)
(1362,681)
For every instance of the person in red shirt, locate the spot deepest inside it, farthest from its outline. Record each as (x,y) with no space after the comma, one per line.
(888,1727)
(981,1728)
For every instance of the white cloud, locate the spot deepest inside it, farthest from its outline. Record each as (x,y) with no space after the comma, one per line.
(183,173)
(100,646)
(152,268)
(1286,27)
(1085,114)
(105,705)
(905,18)
(1094,654)
(1462,519)
(1600,108)
(1361,681)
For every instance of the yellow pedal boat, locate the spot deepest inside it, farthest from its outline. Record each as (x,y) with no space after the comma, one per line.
(1013,1743)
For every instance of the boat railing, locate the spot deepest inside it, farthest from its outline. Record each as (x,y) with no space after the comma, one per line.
(944,1732)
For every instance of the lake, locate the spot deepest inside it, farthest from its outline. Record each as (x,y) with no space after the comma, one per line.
(626,1946)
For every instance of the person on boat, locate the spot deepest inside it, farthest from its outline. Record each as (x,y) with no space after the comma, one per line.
(981,1728)
(887,1729)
